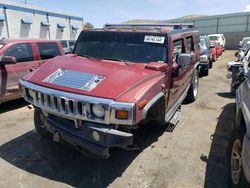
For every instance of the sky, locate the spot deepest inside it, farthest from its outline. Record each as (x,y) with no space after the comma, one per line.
(100,12)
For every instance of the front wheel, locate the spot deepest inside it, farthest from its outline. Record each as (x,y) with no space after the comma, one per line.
(40,124)
(193,89)
(210,64)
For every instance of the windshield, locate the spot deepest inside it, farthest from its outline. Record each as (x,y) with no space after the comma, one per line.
(123,46)
(203,44)
(213,37)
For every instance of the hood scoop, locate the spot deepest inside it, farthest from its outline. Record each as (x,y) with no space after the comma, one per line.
(74,79)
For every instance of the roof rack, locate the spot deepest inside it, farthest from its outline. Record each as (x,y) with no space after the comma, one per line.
(150,26)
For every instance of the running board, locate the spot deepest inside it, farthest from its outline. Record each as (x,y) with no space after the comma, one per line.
(175,118)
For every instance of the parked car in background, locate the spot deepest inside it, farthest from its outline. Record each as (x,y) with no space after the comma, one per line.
(239,174)
(220,38)
(244,44)
(219,49)
(216,51)
(68,46)
(119,78)
(19,57)
(234,70)
(206,55)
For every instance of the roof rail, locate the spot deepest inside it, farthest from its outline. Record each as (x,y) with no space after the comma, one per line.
(156,26)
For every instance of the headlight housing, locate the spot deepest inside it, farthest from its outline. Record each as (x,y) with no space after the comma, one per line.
(203,58)
(98,110)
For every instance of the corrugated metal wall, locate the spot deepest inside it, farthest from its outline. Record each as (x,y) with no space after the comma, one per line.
(234,26)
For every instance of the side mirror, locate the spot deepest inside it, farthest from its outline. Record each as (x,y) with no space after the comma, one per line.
(240,44)
(184,59)
(7,60)
(236,54)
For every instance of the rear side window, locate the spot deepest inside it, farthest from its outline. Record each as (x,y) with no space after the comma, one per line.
(22,52)
(190,44)
(48,50)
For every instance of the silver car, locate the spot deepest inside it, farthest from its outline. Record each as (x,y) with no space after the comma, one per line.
(240,148)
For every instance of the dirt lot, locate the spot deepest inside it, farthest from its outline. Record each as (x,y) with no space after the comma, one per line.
(193,154)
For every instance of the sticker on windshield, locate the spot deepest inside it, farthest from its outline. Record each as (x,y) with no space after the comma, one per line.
(154,39)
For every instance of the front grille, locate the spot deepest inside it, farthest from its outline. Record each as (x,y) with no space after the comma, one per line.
(74,79)
(59,104)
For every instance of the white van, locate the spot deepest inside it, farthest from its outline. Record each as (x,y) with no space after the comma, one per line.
(218,38)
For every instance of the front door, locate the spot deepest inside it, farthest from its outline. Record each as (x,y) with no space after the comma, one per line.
(178,74)
(25,64)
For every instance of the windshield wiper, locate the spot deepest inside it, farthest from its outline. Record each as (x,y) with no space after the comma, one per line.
(117,59)
(88,56)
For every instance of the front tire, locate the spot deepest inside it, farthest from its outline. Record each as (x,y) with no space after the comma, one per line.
(210,64)
(39,123)
(193,89)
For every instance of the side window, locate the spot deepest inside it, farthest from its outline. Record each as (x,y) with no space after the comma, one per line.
(48,50)
(197,43)
(178,49)
(190,44)
(22,52)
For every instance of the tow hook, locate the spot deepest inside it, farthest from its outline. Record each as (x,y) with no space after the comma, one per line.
(56,137)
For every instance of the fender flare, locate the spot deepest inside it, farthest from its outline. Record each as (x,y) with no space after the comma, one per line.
(150,104)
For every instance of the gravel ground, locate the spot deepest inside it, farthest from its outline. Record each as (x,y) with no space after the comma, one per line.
(193,154)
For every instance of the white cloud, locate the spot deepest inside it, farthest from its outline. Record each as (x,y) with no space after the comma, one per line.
(247,9)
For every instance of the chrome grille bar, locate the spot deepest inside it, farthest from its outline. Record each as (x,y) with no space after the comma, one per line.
(73,106)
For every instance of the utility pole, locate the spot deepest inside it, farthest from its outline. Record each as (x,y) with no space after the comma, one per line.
(25,1)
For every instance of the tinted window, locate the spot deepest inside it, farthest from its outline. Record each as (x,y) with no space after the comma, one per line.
(48,50)
(213,37)
(123,46)
(64,44)
(22,52)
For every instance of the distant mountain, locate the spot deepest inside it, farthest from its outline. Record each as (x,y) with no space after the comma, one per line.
(162,21)
(191,16)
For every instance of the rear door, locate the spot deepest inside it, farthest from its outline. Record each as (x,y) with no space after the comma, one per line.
(26,63)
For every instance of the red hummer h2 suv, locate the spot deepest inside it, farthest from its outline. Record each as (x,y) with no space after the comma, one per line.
(117,78)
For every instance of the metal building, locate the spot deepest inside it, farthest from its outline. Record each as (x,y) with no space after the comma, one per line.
(26,21)
(234,26)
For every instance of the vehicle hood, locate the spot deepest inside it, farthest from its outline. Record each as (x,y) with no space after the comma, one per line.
(116,77)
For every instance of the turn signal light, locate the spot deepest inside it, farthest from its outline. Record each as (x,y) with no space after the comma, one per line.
(121,114)
(142,104)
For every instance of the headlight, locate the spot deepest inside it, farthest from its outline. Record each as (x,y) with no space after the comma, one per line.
(203,58)
(98,110)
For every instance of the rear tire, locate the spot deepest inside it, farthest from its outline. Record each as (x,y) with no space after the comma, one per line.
(39,123)
(193,89)
(236,175)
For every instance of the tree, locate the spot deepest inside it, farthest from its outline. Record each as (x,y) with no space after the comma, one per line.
(88,25)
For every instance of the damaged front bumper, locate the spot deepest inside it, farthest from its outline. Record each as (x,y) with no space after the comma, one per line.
(91,138)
